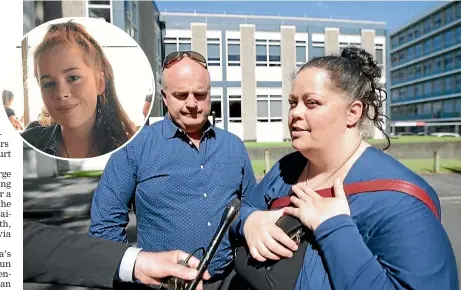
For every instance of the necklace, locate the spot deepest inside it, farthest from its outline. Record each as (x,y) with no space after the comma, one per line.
(334,172)
(94,143)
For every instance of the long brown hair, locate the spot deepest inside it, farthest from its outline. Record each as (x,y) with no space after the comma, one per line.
(113,127)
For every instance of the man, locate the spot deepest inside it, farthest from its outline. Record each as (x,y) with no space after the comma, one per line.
(180,174)
(60,256)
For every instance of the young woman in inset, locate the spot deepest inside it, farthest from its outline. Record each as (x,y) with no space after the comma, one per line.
(78,91)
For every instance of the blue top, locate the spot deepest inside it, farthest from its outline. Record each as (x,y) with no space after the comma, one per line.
(180,192)
(391,240)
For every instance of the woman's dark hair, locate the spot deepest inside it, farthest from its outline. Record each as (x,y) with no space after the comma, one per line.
(356,73)
(7,97)
(113,126)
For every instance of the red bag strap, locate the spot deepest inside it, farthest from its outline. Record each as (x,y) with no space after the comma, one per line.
(372,186)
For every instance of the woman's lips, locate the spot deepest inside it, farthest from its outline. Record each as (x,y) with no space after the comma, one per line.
(66,108)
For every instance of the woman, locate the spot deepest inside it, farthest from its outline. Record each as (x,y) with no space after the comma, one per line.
(7,99)
(379,240)
(77,87)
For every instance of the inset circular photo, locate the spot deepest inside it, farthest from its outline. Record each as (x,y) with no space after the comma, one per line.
(84,89)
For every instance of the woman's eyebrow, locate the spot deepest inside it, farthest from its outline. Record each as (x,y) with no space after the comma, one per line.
(64,71)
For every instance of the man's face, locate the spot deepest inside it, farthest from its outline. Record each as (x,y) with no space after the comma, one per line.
(186,93)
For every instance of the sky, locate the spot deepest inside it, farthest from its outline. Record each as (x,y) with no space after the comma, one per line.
(394,13)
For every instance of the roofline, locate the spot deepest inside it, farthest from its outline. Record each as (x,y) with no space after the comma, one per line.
(166,13)
(418,18)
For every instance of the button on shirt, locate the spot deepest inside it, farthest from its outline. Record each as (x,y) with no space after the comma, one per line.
(180,191)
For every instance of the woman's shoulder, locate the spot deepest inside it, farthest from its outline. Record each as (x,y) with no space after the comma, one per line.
(39,136)
(378,165)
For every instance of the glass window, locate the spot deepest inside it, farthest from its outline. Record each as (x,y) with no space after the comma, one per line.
(458,104)
(438,86)
(213,53)
(449,14)
(216,106)
(458,58)
(437,20)
(427,108)
(169,48)
(427,46)
(458,10)
(449,37)
(274,53)
(449,85)
(428,88)
(419,50)
(379,56)
(458,82)
(276,108)
(185,47)
(316,51)
(261,52)
(448,106)
(263,108)
(438,42)
(448,62)
(301,54)
(427,25)
(235,109)
(458,33)
(233,52)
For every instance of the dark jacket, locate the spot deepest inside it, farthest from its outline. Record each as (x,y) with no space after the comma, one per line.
(60,256)
(44,138)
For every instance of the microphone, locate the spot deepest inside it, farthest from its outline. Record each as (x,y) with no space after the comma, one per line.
(229,215)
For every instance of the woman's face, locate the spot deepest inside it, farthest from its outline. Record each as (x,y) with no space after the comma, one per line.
(69,85)
(318,115)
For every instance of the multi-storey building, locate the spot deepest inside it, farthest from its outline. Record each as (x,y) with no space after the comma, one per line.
(425,72)
(252,60)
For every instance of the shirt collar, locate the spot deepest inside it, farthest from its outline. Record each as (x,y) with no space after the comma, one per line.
(171,130)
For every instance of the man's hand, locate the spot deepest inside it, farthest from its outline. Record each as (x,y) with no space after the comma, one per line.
(151,268)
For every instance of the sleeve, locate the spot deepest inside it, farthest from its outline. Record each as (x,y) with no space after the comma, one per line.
(247,186)
(255,199)
(409,249)
(9,112)
(60,256)
(111,200)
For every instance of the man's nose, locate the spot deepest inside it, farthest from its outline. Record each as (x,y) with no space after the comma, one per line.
(191,101)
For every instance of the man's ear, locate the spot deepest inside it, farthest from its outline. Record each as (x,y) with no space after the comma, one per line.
(162,91)
(355,113)
(101,83)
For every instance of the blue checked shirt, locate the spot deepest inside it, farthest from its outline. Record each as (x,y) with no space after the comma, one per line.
(179,192)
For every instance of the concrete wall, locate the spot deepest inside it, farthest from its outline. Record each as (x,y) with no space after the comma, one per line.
(447,150)
(199,40)
(248,65)
(288,57)
(331,41)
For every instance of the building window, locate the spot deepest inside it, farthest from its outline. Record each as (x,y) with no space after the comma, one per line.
(449,36)
(216,106)
(100,10)
(448,106)
(449,13)
(318,49)
(131,17)
(419,50)
(269,108)
(437,20)
(268,52)
(233,52)
(379,56)
(428,88)
(427,46)
(301,55)
(214,52)
(438,43)
(235,108)
(458,105)
(173,44)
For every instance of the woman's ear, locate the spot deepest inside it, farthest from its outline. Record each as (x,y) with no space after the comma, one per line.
(354,113)
(101,83)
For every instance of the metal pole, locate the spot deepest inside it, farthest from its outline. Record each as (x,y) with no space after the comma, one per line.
(436,162)
(213,115)
(266,161)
